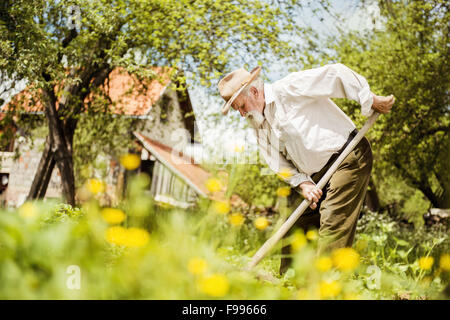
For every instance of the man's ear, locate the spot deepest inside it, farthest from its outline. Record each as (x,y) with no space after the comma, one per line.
(254,91)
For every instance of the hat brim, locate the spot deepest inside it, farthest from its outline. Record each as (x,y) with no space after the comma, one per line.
(254,73)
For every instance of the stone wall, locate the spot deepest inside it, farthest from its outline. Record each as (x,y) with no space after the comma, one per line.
(22,173)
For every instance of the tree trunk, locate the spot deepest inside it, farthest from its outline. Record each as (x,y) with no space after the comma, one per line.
(59,147)
(423,185)
(43,172)
(64,162)
(61,151)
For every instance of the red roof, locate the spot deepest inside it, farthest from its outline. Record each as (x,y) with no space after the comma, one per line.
(183,166)
(129,96)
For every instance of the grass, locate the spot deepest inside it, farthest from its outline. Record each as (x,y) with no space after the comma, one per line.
(53,251)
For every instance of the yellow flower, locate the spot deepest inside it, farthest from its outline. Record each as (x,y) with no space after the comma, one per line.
(426,263)
(130,161)
(261,223)
(298,242)
(113,216)
(213,185)
(324,264)
(236,219)
(284,173)
(221,207)
(329,289)
(132,237)
(312,235)
(95,186)
(215,285)
(116,235)
(28,210)
(137,237)
(238,148)
(197,266)
(283,191)
(444,262)
(345,259)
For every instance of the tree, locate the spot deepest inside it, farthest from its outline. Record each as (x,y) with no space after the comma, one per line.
(409,59)
(67,49)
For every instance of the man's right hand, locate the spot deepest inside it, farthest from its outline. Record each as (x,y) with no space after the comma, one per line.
(382,104)
(311,192)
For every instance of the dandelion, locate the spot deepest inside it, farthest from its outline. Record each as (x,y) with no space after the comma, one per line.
(238,148)
(197,266)
(425,263)
(221,207)
(28,210)
(130,161)
(283,191)
(215,285)
(298,242)
(284,173)
(324,264)
(345,259)
(236,219)
(137,237)
(329,289)
(132,237)
(116,235)
(312,235)
(95,186)
(261,223)
(213,185)
(444,262)
(113,216)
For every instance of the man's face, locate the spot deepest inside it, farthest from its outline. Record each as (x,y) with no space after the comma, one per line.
(254,100)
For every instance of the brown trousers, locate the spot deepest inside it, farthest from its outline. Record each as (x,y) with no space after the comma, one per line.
(339,207)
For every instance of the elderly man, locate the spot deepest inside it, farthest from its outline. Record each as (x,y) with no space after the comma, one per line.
(300,132)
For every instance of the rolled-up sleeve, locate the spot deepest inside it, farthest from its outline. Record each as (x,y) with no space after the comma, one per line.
(332,81)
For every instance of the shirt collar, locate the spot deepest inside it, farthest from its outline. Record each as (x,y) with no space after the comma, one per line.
(268,93)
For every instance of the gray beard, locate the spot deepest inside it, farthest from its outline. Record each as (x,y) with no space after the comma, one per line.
(255,118)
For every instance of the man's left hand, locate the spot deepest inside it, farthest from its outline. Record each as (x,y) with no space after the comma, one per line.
(311,192)
(382,104)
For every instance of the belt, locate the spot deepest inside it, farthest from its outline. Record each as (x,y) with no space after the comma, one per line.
(335,155)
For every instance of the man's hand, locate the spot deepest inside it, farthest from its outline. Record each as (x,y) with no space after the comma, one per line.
(311,192)
(382,104)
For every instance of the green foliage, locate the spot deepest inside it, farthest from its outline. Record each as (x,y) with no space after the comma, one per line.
(409,59)
(255,188)
(61,213)
(397,248)
(172,253)
(98,137)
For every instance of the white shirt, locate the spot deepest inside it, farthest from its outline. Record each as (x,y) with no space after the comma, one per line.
(302,127)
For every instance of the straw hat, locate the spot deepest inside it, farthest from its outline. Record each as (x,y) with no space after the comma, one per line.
(233,83)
